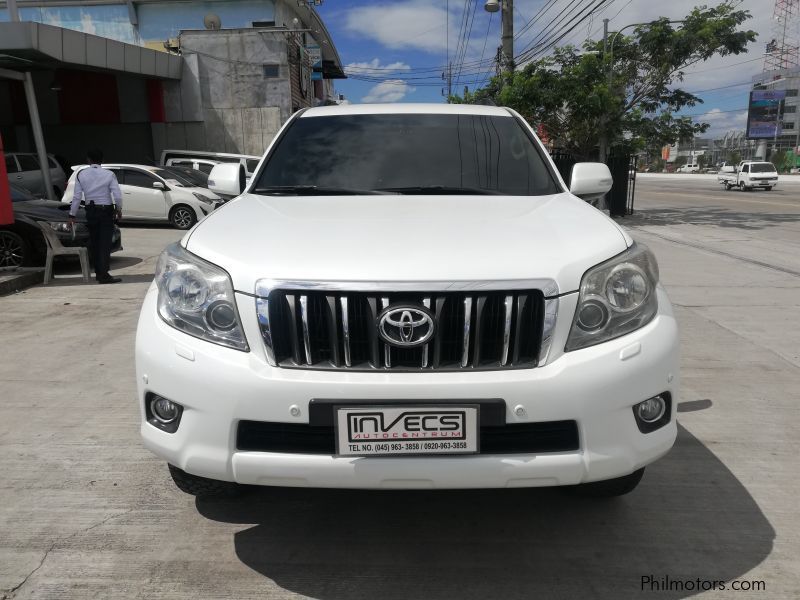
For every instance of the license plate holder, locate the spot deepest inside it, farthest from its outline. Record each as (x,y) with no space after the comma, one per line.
(407,430)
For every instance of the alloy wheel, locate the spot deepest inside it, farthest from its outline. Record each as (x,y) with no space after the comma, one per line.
(12,249)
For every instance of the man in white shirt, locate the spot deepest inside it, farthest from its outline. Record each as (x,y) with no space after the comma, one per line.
(103,202)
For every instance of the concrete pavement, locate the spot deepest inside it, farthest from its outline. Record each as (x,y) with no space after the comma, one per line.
(86,512)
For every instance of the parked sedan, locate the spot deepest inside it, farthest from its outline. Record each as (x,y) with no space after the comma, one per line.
(156,194)
(22,243)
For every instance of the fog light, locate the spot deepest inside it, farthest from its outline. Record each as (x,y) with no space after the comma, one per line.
(164,410)
(652,409)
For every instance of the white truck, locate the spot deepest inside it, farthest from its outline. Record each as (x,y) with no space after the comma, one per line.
(408,296)
(748,175)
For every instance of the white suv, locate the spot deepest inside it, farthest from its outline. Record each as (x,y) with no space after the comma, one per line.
(408,296)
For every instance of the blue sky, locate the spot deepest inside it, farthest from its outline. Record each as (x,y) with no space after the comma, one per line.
(385,43)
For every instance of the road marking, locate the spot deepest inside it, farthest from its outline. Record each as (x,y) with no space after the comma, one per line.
(795,205)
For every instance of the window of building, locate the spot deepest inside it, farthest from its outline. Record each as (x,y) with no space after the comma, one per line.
(791,93)
(788,125)
(272,71)
(263,23)
(789,109)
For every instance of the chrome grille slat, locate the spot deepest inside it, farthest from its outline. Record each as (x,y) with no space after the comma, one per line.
(314,327)
(426,302)
(507,309)
(465,338)
(387,349)
(306,335)
(345,331)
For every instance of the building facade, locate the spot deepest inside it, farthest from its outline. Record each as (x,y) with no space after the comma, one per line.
(237,71)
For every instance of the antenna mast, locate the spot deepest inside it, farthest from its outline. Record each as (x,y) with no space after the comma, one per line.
(783,47)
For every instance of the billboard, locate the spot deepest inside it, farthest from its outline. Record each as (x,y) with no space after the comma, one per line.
(764,114)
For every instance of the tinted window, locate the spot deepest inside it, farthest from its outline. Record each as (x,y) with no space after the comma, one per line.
(763,168)
(252,164)
(746,169)
(176,175)
(11,164)
(392,151)
(138,178)
(27,162)
(205,168)
(52,162)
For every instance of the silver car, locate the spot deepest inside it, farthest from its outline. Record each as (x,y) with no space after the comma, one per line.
(24,171)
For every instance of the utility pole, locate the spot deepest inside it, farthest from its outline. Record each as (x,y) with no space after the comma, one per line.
(603,137)
(506,50)
(507,36)
(447,77)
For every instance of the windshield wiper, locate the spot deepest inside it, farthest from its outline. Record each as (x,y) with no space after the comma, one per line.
(314,190)
(441,189)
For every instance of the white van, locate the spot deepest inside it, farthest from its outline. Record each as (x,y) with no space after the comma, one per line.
(205,161)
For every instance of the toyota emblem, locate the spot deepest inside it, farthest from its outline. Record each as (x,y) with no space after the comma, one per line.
(405,326)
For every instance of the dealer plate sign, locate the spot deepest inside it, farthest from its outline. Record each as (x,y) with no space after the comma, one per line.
(406,430)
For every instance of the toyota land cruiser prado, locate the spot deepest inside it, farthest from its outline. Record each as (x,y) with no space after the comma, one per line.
(407,296)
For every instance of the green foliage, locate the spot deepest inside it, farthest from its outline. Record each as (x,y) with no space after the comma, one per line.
(702,160)
(734,157)
(568,92)
(680,161)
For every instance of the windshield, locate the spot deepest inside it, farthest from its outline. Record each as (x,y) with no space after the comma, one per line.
(409,153)
(193,176)
(173,175)
(762,168)
(19,194)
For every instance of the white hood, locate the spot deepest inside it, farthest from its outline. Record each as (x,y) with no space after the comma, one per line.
(406,238)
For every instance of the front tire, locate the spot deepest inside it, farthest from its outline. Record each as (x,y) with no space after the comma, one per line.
(14,250)
(202,486)
(611,488)
(182,217)
(728,187)
(768,188)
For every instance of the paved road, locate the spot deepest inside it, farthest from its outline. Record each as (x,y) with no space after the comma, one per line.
(86,512)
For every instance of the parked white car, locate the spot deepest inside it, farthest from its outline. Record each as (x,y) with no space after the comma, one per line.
(203,159)
(24,171)
(435,308)
(156,194)
(689,168)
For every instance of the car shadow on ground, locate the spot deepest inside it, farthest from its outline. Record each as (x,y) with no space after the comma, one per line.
(718,217)
(690,518)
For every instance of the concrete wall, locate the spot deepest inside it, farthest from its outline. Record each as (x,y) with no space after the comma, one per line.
(225,102)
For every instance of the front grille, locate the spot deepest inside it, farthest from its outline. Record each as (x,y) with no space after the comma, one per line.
(327,329)
(517,438)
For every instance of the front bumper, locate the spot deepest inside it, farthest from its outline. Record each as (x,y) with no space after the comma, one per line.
(595,386)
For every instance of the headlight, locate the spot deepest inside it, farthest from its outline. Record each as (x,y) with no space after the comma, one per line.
(64,227)
(197,298)
(202,198)
(616,297)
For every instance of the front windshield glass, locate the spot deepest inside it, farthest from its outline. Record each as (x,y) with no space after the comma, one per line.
(762,168)
(19,194)
(411,153)
(173,175)
(195,177)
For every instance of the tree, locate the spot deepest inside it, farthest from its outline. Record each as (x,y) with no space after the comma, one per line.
(702,161)
(734,157)
(568,92)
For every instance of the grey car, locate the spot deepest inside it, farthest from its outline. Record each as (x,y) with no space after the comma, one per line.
(24,171)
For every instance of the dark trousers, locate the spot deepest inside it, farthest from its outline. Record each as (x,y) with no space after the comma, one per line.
(100,220)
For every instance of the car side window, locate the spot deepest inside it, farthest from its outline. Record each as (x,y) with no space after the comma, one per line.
(11,165)
(27,162)
(205,168)
(746,169)
(251,165)
(138,178)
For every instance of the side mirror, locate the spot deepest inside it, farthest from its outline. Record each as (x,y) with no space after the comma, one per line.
(590,181)
(227,179)
(159,186)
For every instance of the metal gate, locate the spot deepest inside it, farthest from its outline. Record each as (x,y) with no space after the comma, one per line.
(623,171)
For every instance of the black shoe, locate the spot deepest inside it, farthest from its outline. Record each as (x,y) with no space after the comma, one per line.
(109,279)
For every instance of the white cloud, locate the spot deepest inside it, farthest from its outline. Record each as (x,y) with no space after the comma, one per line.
(87,25)
(722,122)
(415,24)
(392,90)
(374,67)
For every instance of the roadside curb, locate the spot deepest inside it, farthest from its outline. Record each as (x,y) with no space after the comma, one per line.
(14,281)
